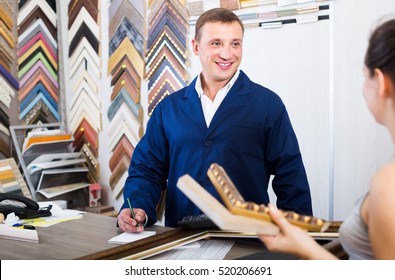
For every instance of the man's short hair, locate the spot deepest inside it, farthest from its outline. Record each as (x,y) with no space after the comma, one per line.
(216,15)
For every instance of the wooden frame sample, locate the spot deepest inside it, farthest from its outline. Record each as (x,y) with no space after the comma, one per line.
(220,215)
(162,242)
(15,175)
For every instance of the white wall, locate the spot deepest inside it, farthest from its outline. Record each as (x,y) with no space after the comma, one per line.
(361,146)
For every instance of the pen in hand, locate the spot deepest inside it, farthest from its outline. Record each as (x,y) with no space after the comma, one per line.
(131,210)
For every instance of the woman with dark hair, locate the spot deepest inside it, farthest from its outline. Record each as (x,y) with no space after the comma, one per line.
(369,232)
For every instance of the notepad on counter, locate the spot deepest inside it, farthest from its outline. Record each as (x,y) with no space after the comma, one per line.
(19,234)
(128,237)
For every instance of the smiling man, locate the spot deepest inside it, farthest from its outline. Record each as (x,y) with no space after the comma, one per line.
(222,117)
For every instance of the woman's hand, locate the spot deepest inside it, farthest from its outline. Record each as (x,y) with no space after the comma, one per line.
(292,239)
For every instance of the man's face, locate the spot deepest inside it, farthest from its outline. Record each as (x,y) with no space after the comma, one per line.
(220,51)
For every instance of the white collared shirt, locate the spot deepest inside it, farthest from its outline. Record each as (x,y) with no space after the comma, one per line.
(210,107)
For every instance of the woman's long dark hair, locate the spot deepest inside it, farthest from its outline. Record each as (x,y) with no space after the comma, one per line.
(381,50)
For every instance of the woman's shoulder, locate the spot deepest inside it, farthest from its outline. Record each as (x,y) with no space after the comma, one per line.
(378,212)
(381,197)
(383,182)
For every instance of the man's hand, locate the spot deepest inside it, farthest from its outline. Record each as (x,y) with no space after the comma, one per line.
(128,224)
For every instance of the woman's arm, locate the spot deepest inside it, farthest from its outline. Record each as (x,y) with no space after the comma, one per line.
(378,213)
(293,240)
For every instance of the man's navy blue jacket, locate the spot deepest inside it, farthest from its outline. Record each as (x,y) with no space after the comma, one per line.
(250,136)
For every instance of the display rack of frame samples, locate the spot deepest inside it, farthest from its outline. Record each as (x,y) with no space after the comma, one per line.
(51,168)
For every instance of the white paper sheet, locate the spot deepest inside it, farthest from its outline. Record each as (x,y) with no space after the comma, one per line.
(128,237)
(208,250)
(20,234)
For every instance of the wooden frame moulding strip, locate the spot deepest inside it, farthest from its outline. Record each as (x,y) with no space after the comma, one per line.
(161,242)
